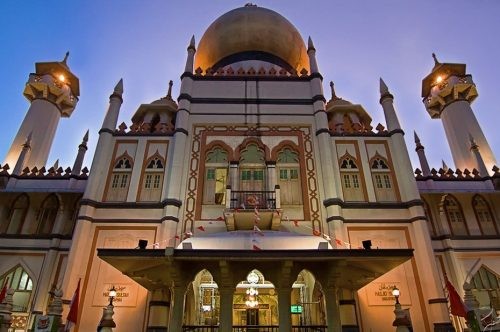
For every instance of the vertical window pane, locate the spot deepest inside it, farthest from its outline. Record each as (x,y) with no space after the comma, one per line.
(114,183)
(123,183)
(387,181)
(283,174)
(378,181)
(147,182)
(355,181)
(294,174)
(156,183)
(347,181)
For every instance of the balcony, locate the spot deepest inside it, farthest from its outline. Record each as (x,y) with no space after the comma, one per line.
(245,209)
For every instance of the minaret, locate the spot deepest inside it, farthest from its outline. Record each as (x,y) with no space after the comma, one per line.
(481,167)
(23,156)
(53,92)
(447,95)
(82,148)
(424,165)
(387,102)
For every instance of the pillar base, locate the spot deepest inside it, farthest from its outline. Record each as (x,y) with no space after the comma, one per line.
(443,327)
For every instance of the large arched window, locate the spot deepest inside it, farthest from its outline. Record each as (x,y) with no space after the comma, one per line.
(216,163)
(486,288)
(430,219)
(19,280)
(47,215)
(484,217)
(18,211)
(152,181)
(289,177)
(252,168)
(382,180)
(120,179)
(455,216)
(351,179)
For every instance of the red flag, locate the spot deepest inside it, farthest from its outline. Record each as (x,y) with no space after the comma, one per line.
(201,228)
(316,233)
(3,293)
(456,305)
(177,237)
(296,223)
(338,242)
(73,308)
(220,218)
(255,247)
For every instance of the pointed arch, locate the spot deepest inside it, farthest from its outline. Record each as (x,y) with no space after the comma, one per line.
(308,289)
(22,281)
(486,287)
(217,155)
(286,144)
(383,179)
(17,214)
(151,182)
(351,177)
(252,140)
(119,180)
(454,215)
(484,215)
(47,215)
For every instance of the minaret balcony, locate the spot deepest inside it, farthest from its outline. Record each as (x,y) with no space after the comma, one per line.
(248,208)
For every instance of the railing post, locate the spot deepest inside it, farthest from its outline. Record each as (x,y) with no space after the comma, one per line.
(228,197)
(277,197)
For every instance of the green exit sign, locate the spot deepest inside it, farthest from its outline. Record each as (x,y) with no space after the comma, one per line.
(296,309)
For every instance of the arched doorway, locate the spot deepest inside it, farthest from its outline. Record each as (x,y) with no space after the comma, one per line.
(202,307)
(308,303)
(255,303)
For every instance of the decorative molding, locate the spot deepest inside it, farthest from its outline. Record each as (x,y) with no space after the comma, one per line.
(373,205)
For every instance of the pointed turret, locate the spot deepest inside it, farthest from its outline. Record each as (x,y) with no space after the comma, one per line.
(169,92)
(115,102)
(82,148)
(387,102)
(23,156)
(424,165)
(190,57)
(448,92)
(311,52)
(444,166)
(481,166)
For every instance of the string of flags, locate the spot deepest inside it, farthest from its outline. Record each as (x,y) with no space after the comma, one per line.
(256,232)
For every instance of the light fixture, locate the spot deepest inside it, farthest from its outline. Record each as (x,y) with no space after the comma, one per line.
(61,78)
(112,295)
(395,293)
(439,79)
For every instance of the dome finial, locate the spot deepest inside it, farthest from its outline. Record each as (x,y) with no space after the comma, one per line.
(436,62)
(310,44)
(415,136)
(119,87)
(383,87)
(249,4)
(332,88)
(65,57)
(169,93)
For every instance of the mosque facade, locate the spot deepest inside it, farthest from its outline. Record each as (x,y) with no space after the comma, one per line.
(251,202)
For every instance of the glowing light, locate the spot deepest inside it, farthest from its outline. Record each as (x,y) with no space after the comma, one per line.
(439,79)
(62,78)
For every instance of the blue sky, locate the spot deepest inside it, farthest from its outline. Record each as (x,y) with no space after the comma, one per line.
(145,43)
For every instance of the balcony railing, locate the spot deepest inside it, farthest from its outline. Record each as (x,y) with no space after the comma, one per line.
(254,328)
(252,199)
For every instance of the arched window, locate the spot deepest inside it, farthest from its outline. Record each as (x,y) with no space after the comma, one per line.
(252,168)
(289,177)
(120,179)
(455,216)
(216,163)
(382,180)
(351,179)
(152,181)
(484,217)
(19,280)
(69,225)
(430,219)
(486,288)
(18,211)
(47,215)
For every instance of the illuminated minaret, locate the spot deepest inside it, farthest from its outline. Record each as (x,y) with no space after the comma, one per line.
(53,92)
(447,95)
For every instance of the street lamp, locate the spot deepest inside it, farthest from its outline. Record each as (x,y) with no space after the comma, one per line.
(395,293)
(112,295)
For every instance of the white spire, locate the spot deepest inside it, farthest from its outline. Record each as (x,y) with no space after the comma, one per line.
(119,87)
(383,87)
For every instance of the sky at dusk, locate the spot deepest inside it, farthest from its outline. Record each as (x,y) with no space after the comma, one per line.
(144,42)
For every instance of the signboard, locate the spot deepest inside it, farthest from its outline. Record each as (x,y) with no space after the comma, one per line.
(296,309)
(126,295)
(380,293)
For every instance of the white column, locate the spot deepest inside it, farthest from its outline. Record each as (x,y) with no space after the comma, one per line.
(284,302)
(226,309)
(177,308)
(332,309)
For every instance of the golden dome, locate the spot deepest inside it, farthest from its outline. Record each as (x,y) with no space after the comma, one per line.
(252,33)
